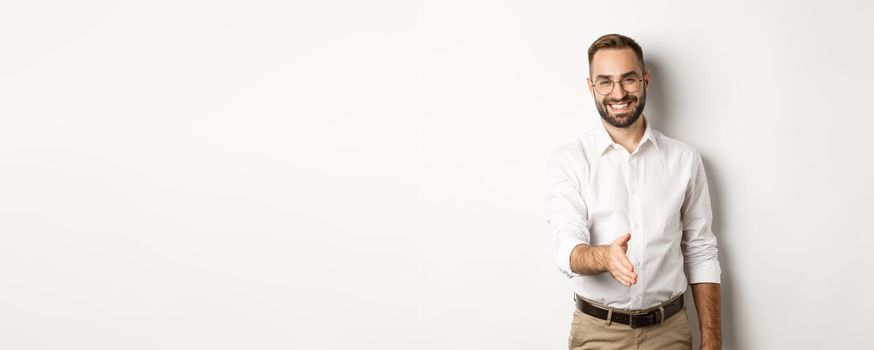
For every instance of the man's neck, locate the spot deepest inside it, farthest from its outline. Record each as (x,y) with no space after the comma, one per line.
(627,137)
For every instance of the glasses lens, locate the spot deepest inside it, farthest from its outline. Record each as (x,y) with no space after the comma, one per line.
(603,86)
(630,84)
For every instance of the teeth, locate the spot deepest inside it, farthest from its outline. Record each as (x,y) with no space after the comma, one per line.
(622,106)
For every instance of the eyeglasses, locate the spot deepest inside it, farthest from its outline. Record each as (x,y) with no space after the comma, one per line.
(605,86)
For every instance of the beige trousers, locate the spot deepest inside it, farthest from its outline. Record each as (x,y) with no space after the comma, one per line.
(588,332)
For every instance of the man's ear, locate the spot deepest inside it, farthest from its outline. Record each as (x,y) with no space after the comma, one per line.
(646,79)
(589,85)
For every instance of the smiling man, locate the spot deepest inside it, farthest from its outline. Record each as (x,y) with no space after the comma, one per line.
(629,216)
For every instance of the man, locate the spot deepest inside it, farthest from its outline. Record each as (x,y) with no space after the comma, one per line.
(629,212)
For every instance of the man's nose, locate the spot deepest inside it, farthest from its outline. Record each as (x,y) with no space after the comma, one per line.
(618,92)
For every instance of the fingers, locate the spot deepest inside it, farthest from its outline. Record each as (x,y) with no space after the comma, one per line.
(623,271)
(621,279)
(628,277)
(624,279)
(623,260)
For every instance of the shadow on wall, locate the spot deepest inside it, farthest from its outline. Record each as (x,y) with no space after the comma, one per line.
(658,104)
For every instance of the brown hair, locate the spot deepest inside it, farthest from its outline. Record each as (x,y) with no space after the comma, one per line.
(615,41)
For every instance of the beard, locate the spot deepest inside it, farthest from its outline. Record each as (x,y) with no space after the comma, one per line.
(622,120)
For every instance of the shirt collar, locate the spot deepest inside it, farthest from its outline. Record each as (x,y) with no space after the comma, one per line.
(604,141)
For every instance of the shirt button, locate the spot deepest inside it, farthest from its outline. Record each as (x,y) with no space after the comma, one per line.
(637,263)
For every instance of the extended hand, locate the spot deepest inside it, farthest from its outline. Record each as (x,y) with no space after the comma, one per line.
(617,263)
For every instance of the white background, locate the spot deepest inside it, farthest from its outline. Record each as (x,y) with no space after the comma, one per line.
(369,175)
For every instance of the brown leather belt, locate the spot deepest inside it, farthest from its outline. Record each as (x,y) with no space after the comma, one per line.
(633,319)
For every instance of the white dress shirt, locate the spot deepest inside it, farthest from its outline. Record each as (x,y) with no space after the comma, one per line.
(597,191)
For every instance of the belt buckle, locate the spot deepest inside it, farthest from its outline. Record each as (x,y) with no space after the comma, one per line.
(647,319)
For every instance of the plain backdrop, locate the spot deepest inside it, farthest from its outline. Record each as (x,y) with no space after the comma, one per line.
(369,175)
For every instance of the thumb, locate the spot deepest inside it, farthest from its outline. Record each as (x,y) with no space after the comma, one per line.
(624,238)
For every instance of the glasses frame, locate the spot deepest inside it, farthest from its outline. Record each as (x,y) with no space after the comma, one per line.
(613,86)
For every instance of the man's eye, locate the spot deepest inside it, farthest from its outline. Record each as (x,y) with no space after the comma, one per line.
(629,80)
(604,83)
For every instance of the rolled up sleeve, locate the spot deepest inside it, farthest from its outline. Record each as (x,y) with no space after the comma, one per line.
(565,210)
(701,259)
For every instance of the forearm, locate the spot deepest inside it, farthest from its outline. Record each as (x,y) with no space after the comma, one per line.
(588,260)
(707,300)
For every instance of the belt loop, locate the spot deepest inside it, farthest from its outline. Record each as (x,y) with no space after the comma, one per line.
(609,317)
(662,312)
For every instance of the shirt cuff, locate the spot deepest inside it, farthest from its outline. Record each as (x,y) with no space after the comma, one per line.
(707,271)
(563,256)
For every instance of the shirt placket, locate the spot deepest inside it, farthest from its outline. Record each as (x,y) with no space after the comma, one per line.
(634,218)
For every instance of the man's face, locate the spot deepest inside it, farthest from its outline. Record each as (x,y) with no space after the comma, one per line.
(620,107)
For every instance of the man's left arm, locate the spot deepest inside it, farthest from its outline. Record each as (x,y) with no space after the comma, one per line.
(707,296)
(701,259)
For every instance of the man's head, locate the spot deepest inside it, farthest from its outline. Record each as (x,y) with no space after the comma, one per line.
(618,79)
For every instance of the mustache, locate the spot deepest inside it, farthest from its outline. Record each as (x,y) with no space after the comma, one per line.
(619,101)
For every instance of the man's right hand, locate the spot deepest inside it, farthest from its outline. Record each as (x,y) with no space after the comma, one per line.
(589,261)
(617,263)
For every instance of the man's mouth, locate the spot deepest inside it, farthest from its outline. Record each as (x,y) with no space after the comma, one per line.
(620,107)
